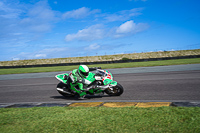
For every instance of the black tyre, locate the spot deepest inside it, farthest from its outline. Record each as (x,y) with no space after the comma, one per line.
(61,86)
(117,90)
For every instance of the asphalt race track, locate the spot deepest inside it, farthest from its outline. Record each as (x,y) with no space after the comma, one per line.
(164,83)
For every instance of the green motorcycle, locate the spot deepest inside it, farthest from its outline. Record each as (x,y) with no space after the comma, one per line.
(98,82)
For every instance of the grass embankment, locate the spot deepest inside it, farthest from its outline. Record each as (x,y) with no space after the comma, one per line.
(104,66)
(100,119)
(133,56)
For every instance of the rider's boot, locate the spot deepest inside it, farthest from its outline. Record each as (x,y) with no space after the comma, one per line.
(81,97)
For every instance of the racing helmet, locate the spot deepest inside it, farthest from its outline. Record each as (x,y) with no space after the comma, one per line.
(83,71)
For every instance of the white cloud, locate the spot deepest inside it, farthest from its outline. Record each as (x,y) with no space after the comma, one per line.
(92,33)
(41,27)
(129,28)
(98,31)
(123,15)
(80,13)
(11,11)
(40,17)
(93,46)
(126,27)
(44,53)
(16,59)
(24,21)
(40,55)
(9,18)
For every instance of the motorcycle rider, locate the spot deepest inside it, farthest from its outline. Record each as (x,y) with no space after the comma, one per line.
(78,76)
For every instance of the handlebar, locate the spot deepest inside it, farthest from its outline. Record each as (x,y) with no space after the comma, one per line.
(94,68)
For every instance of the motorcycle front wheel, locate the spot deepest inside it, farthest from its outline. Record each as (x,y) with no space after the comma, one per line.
(117,90)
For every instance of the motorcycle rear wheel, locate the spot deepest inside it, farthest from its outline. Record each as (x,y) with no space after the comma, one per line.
(65,88)
(117,90)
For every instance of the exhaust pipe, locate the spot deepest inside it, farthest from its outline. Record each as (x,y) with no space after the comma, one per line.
(103,87)
(59,89)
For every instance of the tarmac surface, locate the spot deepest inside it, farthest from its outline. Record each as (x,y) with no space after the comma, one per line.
(144,87)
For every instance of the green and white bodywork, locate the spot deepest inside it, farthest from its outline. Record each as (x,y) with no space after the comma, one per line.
(98,81)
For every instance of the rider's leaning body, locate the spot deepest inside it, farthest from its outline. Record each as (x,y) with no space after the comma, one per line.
(78,76)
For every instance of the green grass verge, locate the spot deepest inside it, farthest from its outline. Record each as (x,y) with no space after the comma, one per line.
(104,66)
(100,119)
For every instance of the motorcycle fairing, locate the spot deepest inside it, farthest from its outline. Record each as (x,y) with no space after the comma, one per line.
(61,77)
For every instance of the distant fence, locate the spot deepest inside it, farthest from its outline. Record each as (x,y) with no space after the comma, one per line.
(102,62)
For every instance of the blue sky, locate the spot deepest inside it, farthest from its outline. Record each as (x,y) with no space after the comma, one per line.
(37,29)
